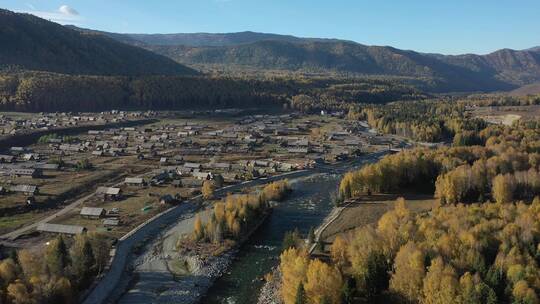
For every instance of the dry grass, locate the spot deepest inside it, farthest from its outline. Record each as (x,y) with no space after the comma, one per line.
(507,114)
(131,213)
(370,210)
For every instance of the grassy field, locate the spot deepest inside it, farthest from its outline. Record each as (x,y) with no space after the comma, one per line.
(58,186)
(508,114)
(10,223)
(130,206)
(369,210)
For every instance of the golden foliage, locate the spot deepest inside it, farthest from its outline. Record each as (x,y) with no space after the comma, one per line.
(409,272)
(323,282)
(294,264)
(207,190)
(338,251)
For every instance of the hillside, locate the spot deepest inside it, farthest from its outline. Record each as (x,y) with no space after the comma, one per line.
(501,70)
(340,57)
(32,43)
(511,66)
(203,39)
(530,89)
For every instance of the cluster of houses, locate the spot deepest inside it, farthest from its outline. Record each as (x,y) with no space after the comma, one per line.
(184,155)
(50,121)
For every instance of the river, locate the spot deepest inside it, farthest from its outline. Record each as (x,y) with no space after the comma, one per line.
(310,202)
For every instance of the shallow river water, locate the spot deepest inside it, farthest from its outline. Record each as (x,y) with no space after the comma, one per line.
(309,203)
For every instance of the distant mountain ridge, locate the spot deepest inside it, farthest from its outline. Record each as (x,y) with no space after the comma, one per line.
(205,39)
(501,70)
(31,43)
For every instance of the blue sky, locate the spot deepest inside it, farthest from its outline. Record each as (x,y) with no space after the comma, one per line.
(449,27)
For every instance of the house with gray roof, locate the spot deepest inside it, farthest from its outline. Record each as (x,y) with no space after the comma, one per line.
(109,193)
(61,229)
(92,212)
(26,189)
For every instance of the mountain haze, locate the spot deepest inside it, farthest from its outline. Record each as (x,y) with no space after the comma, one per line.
(31,43)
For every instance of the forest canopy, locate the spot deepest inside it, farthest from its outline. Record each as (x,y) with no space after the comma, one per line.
(34,92)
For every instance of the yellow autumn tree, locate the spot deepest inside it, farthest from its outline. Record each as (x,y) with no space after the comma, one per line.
(409,272)
(19,294)
(30,262)
(219,212)
(8,271)
(395,227)
(198,228)
(208,190)
(364,242)
(440,285)
(503,188)
(323,282)
(294,264)
(338,251)
(522,293)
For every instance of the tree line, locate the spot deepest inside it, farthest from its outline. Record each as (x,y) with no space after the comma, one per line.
(58,275)
(503,167)
(481,253)
(40,91)
(424,120)
(236,214)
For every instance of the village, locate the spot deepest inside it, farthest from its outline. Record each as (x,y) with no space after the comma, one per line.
(113,179)
(25,123)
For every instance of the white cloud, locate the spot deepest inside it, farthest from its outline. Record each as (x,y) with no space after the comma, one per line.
(66,10)
(64,15)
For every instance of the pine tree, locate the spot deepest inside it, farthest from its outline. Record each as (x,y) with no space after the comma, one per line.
(311,236)
(83,261)
(376,277)
(300,294)
(348,291)
(57,257)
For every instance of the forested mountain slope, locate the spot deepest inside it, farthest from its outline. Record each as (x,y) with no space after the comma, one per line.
(31,43)
(501,70)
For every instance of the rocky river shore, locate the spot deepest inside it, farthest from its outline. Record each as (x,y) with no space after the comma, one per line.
(166,277)
(270,291)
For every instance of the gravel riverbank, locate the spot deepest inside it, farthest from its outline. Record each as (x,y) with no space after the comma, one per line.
(162,275)
(270,291)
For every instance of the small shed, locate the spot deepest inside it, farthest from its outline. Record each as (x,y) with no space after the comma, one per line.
(26,189)
(92,212)
(111,222)
(49,167)
(109,193)
(34,173)
(134,181)
(203,175)
(192,165)
(192,182)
